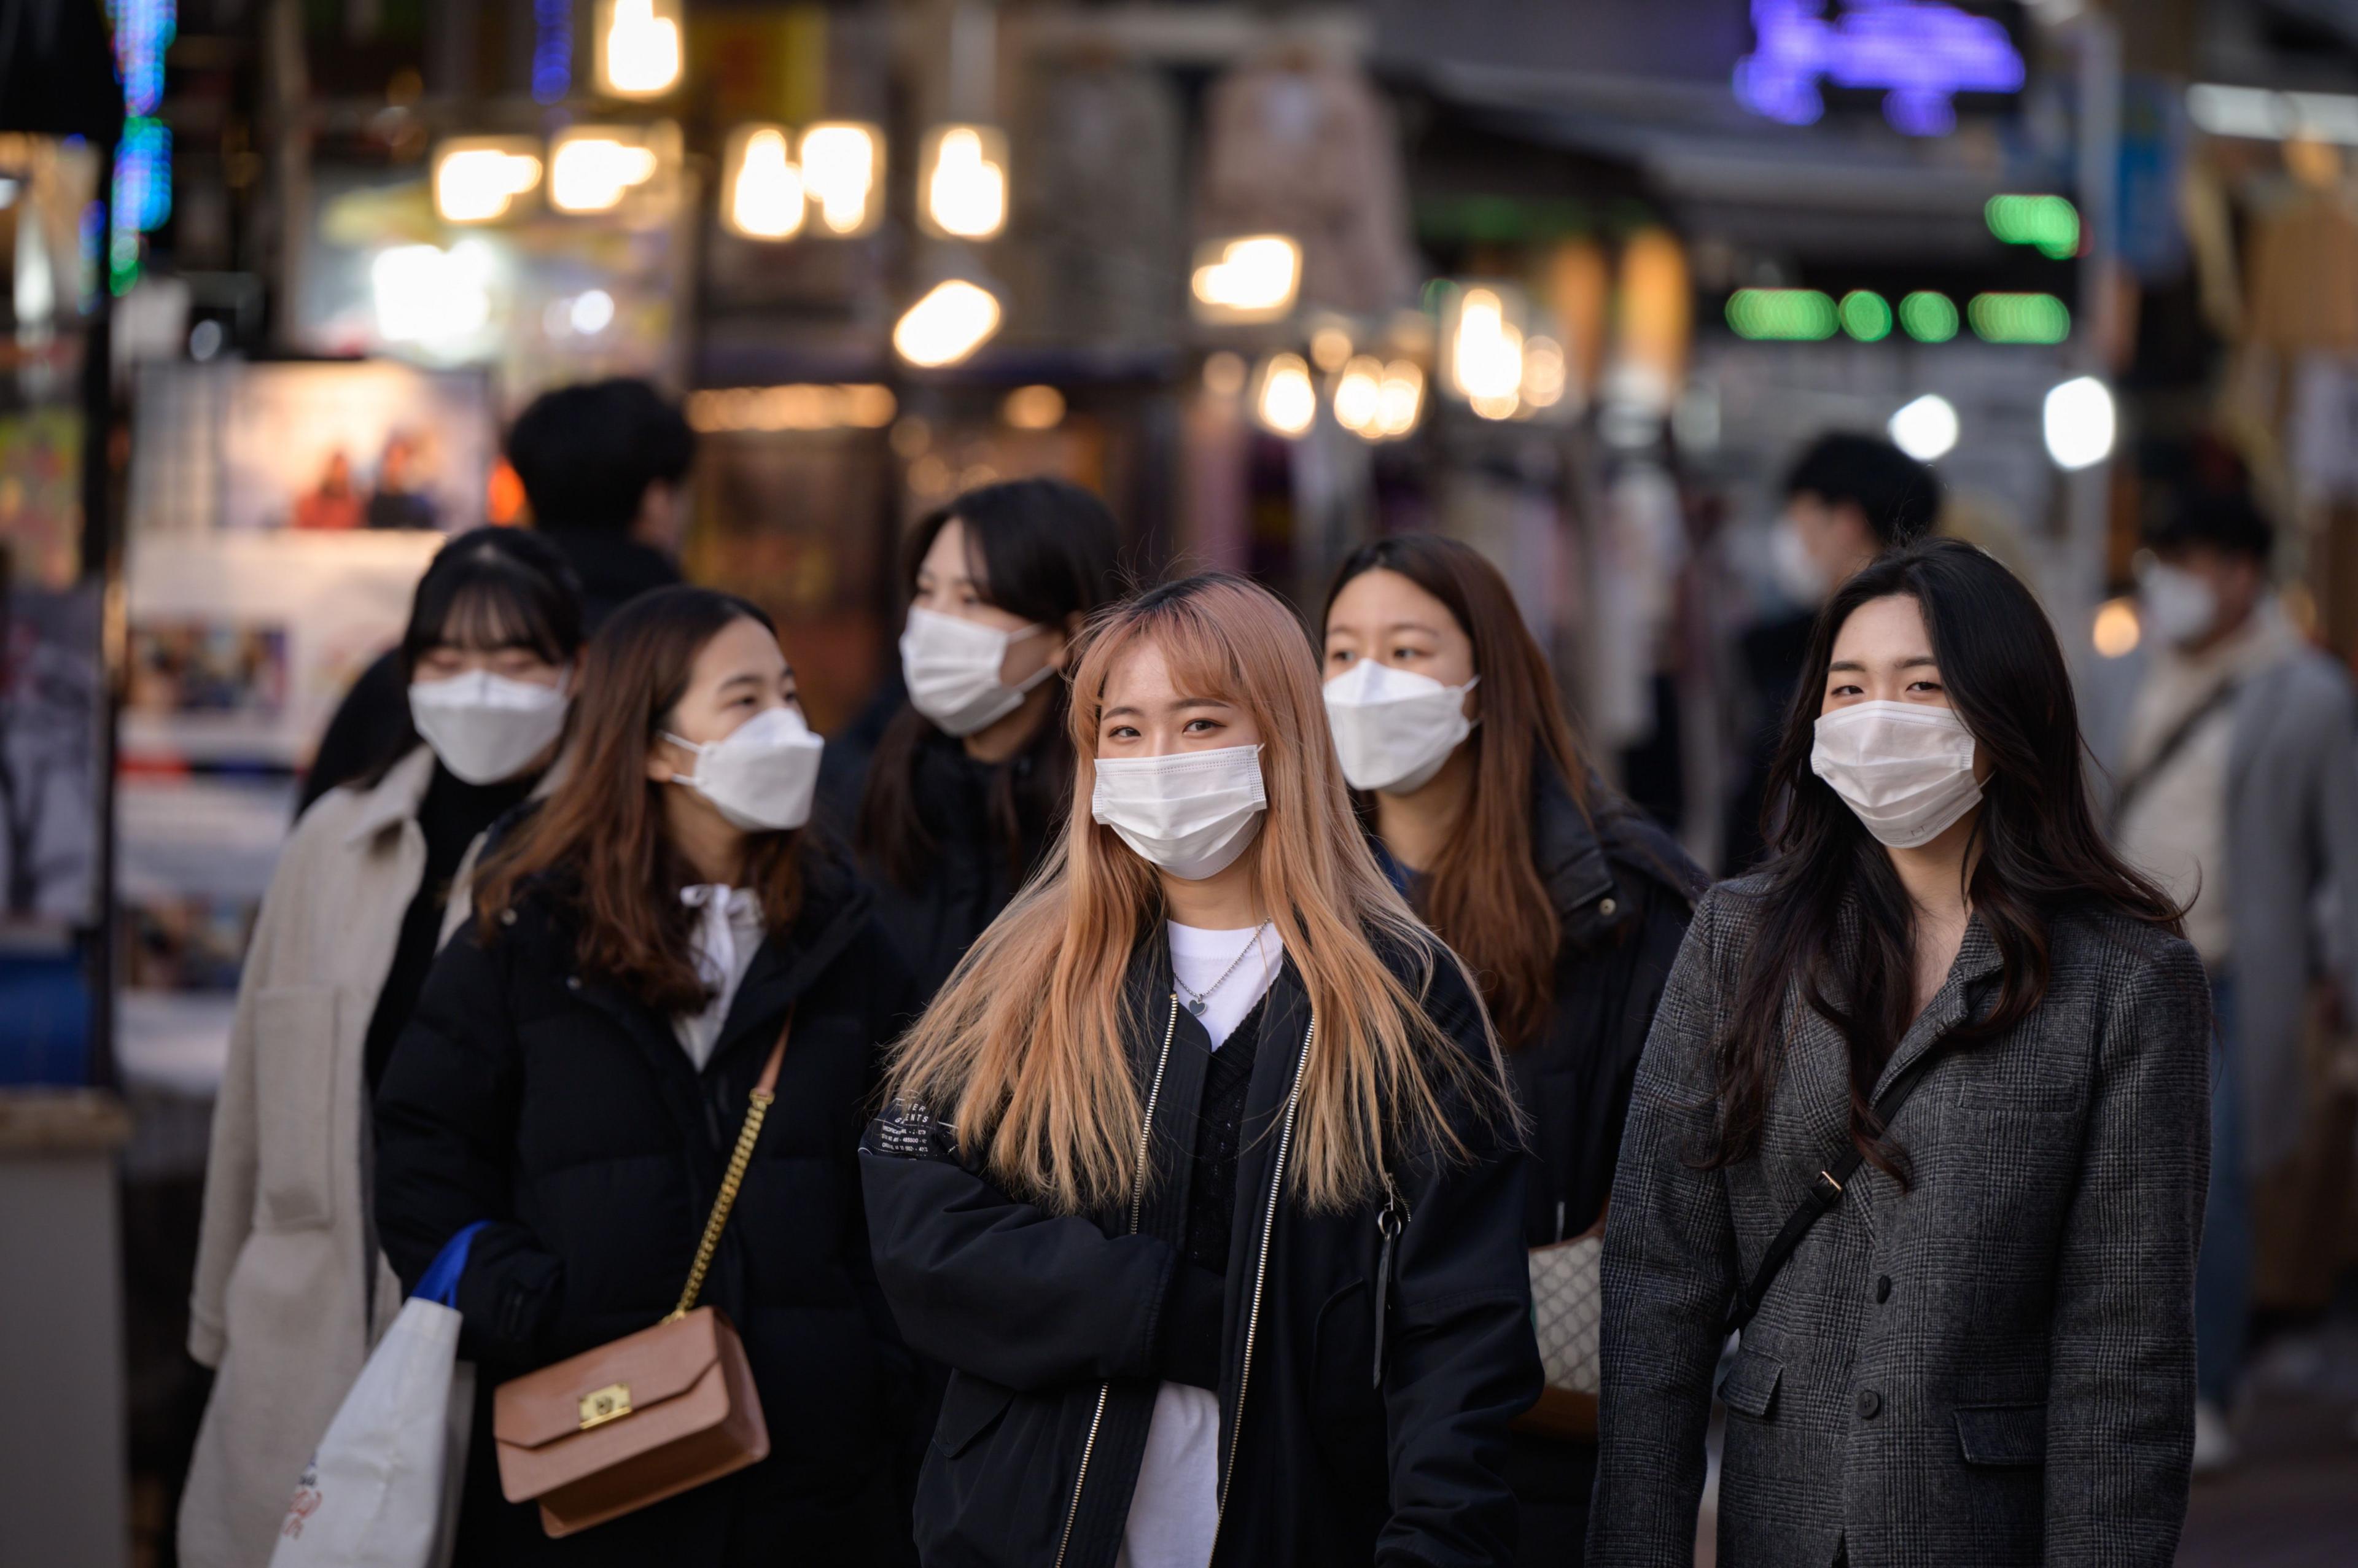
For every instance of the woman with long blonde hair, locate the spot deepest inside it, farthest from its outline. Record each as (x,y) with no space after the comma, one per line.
(1199,1173)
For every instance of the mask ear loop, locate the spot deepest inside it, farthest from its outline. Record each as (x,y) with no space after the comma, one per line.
(693,780)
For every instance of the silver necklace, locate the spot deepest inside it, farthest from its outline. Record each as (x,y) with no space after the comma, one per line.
(1198,1000)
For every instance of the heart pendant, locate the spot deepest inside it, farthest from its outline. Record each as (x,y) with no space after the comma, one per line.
(1196,1006)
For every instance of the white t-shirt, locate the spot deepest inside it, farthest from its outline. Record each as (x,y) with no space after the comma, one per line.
(729,931)
(1177,1509)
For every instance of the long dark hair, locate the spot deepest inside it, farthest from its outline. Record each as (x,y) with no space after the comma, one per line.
(489,587)
(1484,895)
(1040,548)
(599,840)
(2040,852)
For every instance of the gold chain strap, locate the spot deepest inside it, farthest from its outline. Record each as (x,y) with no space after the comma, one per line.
(720,1206)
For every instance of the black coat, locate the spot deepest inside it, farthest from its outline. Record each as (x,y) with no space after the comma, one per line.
(564,1111)
(970,874)
(1052,1324)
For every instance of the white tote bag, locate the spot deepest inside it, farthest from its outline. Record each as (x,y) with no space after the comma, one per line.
(375,1495)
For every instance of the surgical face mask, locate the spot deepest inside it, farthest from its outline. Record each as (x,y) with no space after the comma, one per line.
(1192,813)
(1394,729)
(1798,574)
(952,666)
(2178,606)
(762,774)
(1906,770)
(486,727)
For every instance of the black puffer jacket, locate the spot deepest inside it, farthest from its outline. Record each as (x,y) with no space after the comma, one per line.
(561,1109)
(1055,1327)
(970,876)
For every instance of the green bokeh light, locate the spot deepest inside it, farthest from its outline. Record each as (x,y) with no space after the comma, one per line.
(1793,315)
(2050,223)
(1929,318)
(1866,316)
(2019,317)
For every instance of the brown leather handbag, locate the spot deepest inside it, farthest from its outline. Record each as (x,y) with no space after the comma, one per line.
(647,1416)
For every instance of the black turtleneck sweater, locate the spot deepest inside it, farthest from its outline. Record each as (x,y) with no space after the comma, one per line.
(453,814)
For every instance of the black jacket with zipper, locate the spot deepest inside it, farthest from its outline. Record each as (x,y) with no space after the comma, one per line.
(559,1108)
(1054,1327)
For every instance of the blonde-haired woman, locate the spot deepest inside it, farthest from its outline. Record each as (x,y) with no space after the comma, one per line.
(1198,1171)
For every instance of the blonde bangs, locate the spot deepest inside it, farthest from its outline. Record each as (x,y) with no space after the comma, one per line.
(1023,1050)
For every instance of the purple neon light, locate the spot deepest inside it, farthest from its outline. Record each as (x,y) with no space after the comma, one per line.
(1921,53)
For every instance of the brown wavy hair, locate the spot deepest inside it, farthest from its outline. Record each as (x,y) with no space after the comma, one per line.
(1484,894)
(597,844)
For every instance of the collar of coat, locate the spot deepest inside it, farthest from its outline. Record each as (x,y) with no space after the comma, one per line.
(1962,994)
(1574,850)
(395,798)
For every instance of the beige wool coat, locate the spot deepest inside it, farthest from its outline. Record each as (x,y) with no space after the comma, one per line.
(291,1290)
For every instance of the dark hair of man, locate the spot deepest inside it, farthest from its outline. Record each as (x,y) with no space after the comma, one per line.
(487,589)
(587,453)
(2229,522)
(1040,548)
(599,841)
(1899,497)
(1828,884)
(1484,894)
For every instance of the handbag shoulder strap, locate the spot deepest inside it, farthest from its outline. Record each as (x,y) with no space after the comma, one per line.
(1824,1193)
(2164,754)
(764,1090)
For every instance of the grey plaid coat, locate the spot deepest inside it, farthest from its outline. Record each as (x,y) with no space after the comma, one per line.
(1995,1367)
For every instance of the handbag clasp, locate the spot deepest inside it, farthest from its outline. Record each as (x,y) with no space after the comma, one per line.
(610,1403)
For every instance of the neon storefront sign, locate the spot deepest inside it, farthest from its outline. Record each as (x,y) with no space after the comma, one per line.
(1920,53)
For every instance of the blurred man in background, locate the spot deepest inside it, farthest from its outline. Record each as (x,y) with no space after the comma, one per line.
(2236,787)
(1849,499)
(604,466)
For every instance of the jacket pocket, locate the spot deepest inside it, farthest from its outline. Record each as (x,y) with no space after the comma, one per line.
(1750,1386)
(2003,1434)
(295,1107)
(971,1407)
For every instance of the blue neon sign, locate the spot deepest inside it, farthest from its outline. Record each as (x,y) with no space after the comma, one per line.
(1921,53)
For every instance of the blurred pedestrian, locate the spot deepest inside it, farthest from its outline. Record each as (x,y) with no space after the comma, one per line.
(2236,788)
(1847,500)
(1565,901)
(576,1066)
(1199,1171)
(604,466)
(973,774)
(1943,1059)
(289,1290)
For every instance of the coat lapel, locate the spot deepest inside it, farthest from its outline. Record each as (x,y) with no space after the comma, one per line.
(1977,960)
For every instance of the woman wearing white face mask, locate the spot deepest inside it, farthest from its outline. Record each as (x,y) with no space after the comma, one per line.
(1924,1116)
(289,1290)
(1562,896)
(579,1065)
(1198,1172)
(969,781)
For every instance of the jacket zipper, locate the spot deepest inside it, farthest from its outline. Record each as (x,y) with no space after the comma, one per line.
(1260,1278)
(1137,1205)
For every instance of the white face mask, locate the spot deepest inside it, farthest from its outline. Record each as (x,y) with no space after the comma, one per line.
(1799,575)
(486,727)
(762,774)
(1394,729)
(2178,606)
(1192,813)
(952,666)
(1905,769)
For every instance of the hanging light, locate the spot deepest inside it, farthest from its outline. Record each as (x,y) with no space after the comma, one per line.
(1359,397)
(477,179)
(962,172)
(1287,402)
(843,170)
(2079,423)
(764,185)
(1925,429)
(953,319)
(1254,278)
(1400,400)
(638,46)
(1486,352)
(594,168)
